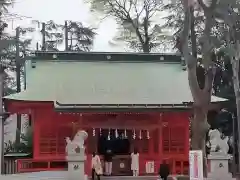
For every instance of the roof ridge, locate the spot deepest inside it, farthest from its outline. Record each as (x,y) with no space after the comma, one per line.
(107,56)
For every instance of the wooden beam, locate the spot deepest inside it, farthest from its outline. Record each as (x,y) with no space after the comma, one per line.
(117,126)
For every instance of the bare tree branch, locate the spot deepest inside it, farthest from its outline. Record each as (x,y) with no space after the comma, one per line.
(134,17)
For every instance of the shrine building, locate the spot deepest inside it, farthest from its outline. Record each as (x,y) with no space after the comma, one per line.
(123,100)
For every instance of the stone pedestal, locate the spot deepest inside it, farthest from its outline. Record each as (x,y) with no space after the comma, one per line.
(219,166)
(76,165)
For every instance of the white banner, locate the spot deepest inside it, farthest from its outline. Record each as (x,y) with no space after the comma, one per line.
(196,165)
(150,167)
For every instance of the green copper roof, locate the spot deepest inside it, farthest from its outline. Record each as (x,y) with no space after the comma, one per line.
(106,82)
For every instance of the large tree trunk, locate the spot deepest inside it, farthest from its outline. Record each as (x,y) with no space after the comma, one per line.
(238,131)
(199,130)
(235,68)
(199,122)
(201,97)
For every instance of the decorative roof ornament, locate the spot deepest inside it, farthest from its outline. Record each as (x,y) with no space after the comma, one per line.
(109,57)
(54,56)
(162,58)
(94,132)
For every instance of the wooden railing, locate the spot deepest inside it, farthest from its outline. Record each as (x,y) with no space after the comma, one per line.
(30,165)
(10,166)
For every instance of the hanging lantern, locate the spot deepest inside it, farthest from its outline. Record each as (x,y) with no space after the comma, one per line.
(134,134)
(125,133)
(116,133)
(148,136)
(94,132)
(109,135)
(140,134)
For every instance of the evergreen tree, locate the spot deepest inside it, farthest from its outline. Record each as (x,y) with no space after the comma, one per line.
(79,36)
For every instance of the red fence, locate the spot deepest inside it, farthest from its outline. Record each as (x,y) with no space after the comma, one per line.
(31,165)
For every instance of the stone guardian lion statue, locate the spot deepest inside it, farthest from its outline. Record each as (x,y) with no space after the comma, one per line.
(218,142)
(76,143)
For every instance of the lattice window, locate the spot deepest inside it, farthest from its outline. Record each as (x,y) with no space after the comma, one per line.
(174,139)
(156,140)
(145,145)
(52,139)
(166,139)
(177,143)
(48,143)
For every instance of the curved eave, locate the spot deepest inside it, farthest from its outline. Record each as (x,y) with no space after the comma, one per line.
(30,99)
(124,107)
(47,97)
(119,109)
(31,96)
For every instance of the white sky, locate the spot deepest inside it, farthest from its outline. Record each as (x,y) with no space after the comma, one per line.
(60,10)
(75,10)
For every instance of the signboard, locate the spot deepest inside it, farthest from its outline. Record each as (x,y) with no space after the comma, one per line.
(150,167)
(196,165)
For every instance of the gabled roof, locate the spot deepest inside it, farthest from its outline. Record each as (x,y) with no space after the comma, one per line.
(106,79)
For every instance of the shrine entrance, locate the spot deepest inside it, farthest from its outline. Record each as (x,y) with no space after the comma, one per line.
(157,136)
(120,144)
(116,140)
(122,132)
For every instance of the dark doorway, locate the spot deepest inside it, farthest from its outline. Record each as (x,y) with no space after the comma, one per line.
(117,142)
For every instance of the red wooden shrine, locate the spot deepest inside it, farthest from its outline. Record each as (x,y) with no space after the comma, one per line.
(164,135)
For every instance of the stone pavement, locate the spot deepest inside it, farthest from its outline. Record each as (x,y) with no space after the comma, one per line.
(134,178)
(62,175)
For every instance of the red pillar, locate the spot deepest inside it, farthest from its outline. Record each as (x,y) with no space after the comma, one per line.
(187,137)
(160,147)
(36,134)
